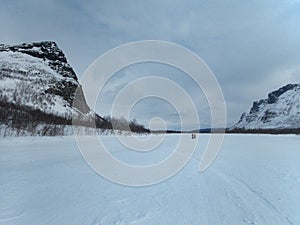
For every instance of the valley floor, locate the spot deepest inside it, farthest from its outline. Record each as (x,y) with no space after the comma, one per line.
(254,180)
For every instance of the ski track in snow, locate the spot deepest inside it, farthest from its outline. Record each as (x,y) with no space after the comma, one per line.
(243,195)
(254,181)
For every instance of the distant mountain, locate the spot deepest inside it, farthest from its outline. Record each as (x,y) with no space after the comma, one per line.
(280,111)
(37,89)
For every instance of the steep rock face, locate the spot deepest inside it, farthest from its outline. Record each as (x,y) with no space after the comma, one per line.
(39,71)
(281,110)
(38,85)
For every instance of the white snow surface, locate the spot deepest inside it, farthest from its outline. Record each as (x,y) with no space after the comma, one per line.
(254,180)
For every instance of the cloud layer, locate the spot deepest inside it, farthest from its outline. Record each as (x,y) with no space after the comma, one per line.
(252,46)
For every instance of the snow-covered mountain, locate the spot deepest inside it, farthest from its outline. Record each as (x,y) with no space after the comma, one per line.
(280,111)
(38,75)
(37,85)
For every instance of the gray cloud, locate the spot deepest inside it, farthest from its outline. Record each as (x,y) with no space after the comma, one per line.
(252,46)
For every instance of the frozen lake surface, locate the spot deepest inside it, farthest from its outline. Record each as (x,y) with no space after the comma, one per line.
(254,180)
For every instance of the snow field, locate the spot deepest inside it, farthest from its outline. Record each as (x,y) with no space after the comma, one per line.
(254,180)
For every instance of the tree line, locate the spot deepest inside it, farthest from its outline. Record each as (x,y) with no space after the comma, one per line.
(22,118)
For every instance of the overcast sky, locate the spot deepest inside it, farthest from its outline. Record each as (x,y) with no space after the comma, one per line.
(253,47)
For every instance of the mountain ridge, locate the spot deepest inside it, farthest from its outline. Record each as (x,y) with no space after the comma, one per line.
(279,111)
(41,95)
(38,86)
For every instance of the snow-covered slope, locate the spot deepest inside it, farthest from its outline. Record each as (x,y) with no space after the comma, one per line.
(281,110)
(38,75)
(37,86)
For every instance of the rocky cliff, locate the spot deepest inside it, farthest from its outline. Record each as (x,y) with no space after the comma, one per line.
(37,86)
(280,111)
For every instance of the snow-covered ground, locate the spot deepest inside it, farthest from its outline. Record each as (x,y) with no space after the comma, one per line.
(254,180)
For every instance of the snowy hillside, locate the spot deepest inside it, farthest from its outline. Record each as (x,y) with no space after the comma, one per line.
(254,180)
(281,110)
(38,75)
(37,87)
